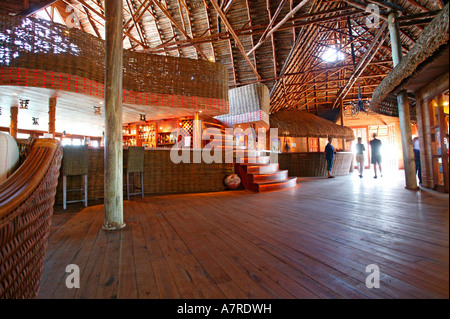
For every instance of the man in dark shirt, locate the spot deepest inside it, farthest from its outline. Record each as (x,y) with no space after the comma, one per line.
(375,145)
(329,155)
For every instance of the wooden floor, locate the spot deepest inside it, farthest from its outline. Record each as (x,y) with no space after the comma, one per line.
(312,241)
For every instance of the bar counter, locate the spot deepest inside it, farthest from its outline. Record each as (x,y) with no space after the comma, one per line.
(314,164)
(161,175)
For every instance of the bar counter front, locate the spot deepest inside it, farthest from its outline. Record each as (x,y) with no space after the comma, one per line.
(314,164)
(161,175)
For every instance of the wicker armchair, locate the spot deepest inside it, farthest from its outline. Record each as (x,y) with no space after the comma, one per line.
(26,208)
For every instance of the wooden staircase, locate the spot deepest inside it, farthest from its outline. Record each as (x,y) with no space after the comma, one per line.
(255,170)
(259,175)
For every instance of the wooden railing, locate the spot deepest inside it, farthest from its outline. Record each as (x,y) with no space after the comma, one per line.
(26,207)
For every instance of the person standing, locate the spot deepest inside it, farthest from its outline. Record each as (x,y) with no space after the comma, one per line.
(417,159)
(375,145)
(360,148)
(329,155)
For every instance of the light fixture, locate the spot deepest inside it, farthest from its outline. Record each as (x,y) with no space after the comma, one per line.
(23,104)
(35,120)
(142,117)
(97,110)
(359,105)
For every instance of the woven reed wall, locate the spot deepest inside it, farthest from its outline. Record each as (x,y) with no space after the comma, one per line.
(161,176)
(40,44)
(314,164)
(249,98)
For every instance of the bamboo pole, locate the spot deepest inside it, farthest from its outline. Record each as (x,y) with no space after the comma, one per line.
(403,108)
(113,219)
(14,116)
(52,115)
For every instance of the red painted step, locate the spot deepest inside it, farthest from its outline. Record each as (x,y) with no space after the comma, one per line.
(250,168)
(265,178)
(274,186)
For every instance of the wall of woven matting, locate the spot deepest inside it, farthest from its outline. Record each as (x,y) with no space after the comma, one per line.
(314,164)
(161,176)
(40,44)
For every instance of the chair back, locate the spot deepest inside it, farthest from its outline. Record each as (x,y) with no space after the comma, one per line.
(26,208)
(75,160)
(135,159)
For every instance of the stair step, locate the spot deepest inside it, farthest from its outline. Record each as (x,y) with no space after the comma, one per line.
(254,168)
(273,186)
(273,177)
(255,160)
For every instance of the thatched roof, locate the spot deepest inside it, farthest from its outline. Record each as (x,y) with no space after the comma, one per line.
(297,123)
(434,37)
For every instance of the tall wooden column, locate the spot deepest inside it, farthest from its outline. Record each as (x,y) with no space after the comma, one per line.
(113,181)
(13,126)
(197,135)
(341,106)
(403,108)
(52,115)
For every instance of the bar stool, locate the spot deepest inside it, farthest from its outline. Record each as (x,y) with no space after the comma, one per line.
(75,163)
(135,164)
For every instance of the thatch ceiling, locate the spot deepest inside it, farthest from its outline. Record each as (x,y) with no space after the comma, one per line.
(277,42)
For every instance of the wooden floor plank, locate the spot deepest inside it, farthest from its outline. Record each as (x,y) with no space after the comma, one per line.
(311,241)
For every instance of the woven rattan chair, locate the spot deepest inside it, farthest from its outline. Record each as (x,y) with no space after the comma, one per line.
(26,208)
(135,164)
(75,163)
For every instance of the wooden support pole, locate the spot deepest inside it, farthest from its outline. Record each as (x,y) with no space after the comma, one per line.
(52,115)
(113,181)
(14,115)
(403,108)
(197,134)
(341,105)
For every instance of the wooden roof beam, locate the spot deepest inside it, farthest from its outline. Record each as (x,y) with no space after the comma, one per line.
(93,26)
(209,31)
(273,29)
(228,6)
(138,29)
(83,3)
(380,37)
(30,10)
(418,5)
(272,39)
(235,37)
(388,5)
(138,14)
(169,16)
(363,7)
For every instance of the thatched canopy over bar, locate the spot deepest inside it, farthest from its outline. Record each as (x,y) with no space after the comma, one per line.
(434,37)
(297,123)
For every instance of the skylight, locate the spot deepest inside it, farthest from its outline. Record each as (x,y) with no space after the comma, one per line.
(332,55)
(45,14)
